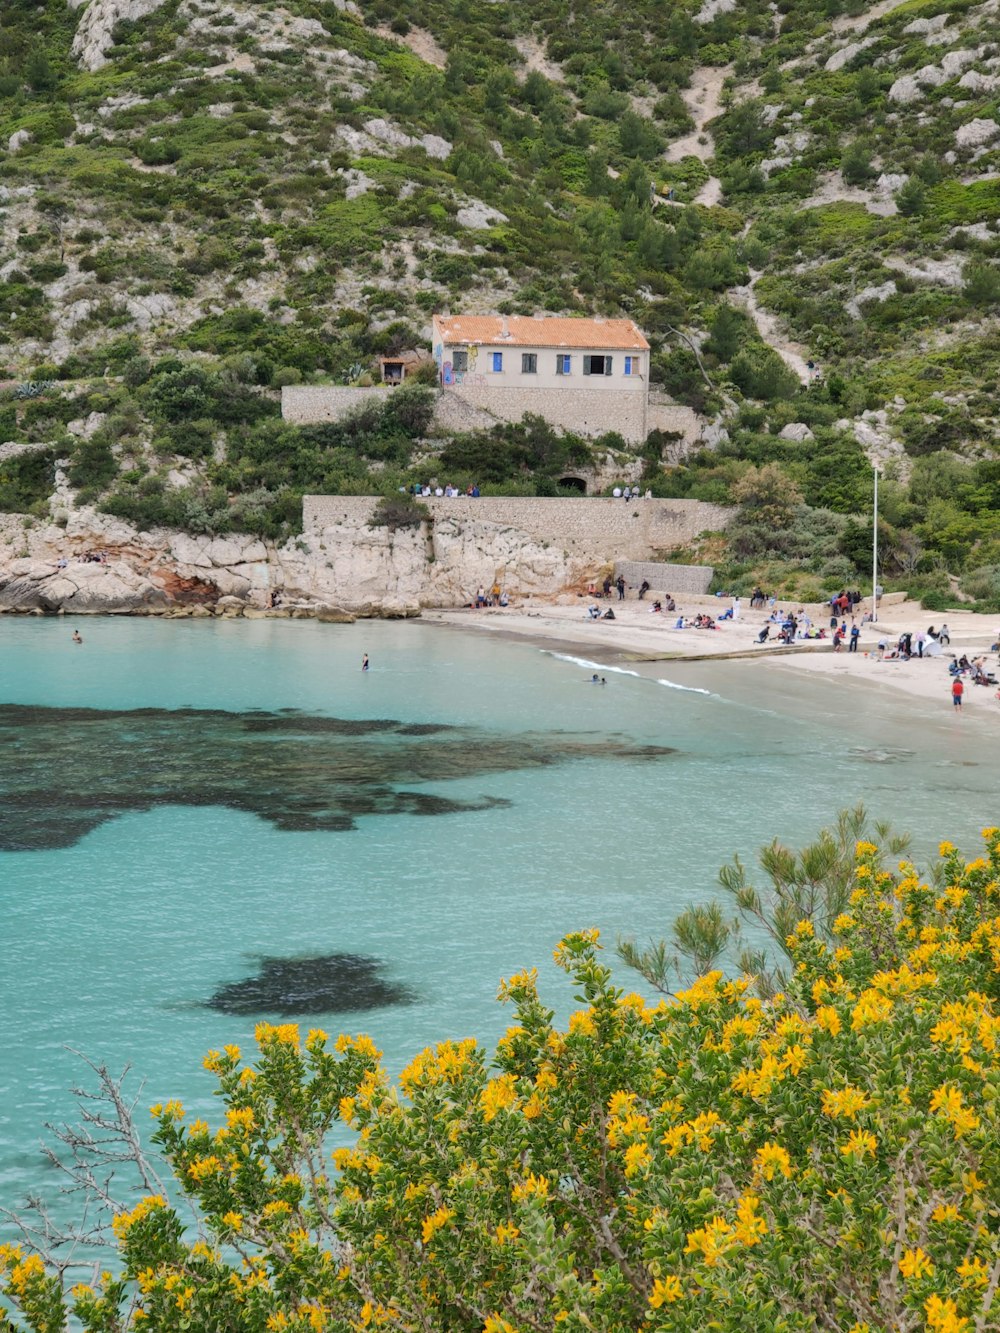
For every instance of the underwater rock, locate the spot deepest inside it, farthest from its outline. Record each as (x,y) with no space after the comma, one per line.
(330,983)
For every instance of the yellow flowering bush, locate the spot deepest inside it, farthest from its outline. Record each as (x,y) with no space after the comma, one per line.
(827,1158)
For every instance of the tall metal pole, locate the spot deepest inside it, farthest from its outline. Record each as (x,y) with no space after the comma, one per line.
(875,550)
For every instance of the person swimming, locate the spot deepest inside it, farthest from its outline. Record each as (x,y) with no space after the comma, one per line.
(77,637)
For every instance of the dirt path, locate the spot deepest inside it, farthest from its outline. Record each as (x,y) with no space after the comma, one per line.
(859,22)
(533,54)
(793,354)
(704,102)
(420,42)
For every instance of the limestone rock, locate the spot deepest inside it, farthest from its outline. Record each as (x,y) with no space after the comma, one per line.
(478,216)
(17,141)
(882,292)
(979,83)
(712,8)
(847,53)
(906,90)
(93,34)
(930,76)
(977,132)
(797,431)
(334,615)
(955,61)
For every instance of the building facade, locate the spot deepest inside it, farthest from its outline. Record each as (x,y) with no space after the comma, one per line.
(590,376)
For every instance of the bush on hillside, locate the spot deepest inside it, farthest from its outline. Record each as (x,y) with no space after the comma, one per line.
(828,1154)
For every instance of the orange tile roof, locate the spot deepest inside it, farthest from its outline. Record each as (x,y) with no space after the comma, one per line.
(539,331)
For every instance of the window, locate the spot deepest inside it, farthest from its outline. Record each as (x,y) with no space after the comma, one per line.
(460,360)
(529,363)
(563,363)
(633,365)
(498,362)
(597,365)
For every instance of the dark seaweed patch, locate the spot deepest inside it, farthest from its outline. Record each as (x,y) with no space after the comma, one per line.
(331,983)
(65,771)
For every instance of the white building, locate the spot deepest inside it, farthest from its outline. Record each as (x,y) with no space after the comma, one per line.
(590,376)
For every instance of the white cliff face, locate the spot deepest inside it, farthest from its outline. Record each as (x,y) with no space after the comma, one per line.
(93,34)
(347,565)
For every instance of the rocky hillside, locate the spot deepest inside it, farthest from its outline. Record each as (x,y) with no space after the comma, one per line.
(201,200)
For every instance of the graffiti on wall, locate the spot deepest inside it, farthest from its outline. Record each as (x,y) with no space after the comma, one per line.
(464,372)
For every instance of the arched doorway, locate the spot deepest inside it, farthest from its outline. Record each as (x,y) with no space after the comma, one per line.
(573,484)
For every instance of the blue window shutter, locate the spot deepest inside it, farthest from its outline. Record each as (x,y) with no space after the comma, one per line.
(607,365)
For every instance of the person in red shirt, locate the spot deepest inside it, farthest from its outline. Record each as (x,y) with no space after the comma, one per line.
(957,690)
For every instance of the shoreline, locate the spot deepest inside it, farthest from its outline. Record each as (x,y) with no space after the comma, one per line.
(631,639)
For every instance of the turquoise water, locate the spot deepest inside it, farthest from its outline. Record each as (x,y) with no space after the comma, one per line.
(112,945)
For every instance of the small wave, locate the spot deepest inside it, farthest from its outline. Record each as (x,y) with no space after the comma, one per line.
(590,666)
(688,689)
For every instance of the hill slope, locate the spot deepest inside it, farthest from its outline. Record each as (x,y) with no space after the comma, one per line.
(203,200)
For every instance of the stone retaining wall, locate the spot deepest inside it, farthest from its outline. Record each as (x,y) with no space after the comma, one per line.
(312,404)
(665,578)
(591,529)
(585,411)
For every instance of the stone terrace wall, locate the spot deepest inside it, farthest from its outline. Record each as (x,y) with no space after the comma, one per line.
(584,411)
(311,404)
(588,528)
(665,578)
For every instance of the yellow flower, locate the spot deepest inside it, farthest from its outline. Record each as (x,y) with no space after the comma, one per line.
(497,1095)
(433,1224)
(533,1187)
(637,1157)
(915,1264)
(947,1102)
(975,1271)
(860,1143)
(232,1220)
(945,1212)
(845,1102)
(945,848)
(666,1291)
(711,1242)
(828,1019)
(772,1159)
(943,1316)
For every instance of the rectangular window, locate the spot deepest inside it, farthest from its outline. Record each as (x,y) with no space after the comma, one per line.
(460,359)
(563,363)
(529,363)
(633,365)
(497,362)
(597,365)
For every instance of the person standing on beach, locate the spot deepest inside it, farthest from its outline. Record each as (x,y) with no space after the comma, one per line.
(852,647)
(364,662)
(620,585)
(957,690)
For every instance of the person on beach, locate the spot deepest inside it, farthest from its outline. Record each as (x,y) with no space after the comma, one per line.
(957,690)
(364,662)
(77,637)
(620,585)
(852,647)
(944,638)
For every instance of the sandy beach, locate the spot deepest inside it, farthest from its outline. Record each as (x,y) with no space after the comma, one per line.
(638,634)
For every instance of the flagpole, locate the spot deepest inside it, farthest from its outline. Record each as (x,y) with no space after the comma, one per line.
(875,550)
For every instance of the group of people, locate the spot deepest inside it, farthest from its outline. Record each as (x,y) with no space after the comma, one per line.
(594,612)
(913,645)
(496,596)
(86,558)
(666,604)
(449,492)
(627,493)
